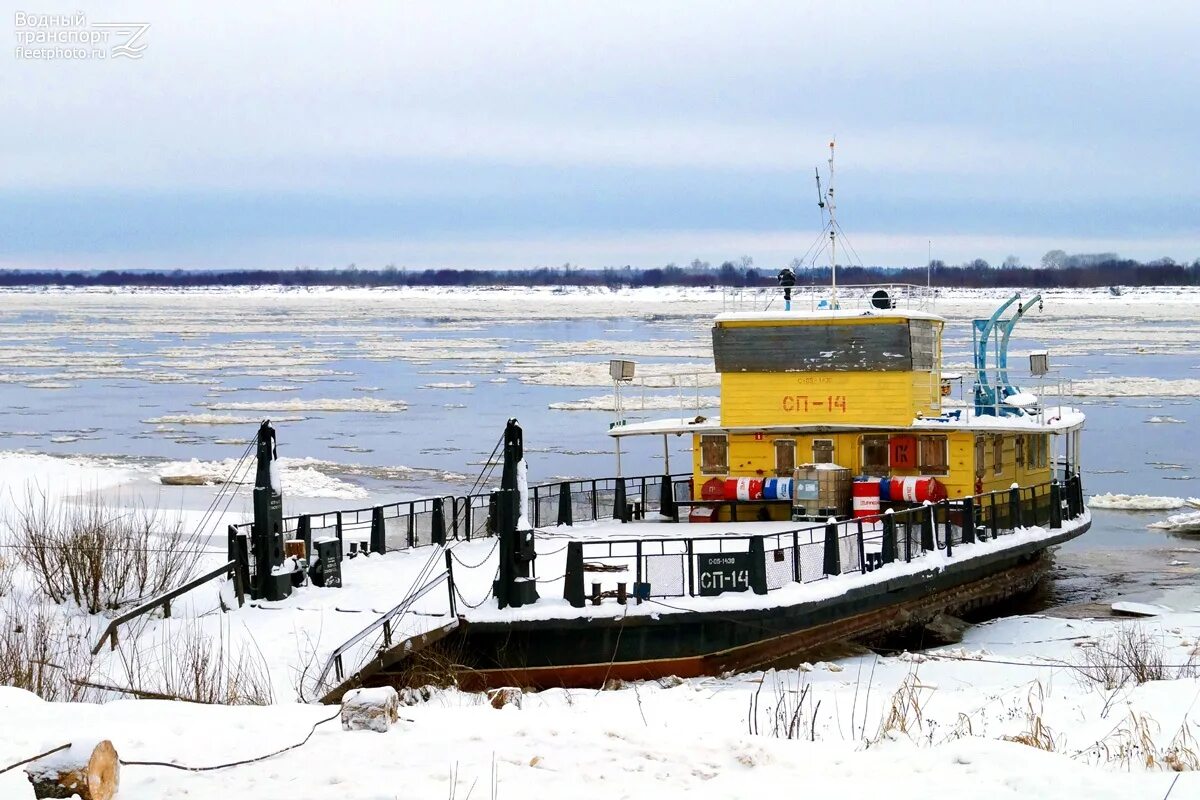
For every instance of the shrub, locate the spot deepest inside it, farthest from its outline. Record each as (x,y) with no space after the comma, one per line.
(97,556)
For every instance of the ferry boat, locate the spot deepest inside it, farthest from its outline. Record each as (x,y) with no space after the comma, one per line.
(842,492)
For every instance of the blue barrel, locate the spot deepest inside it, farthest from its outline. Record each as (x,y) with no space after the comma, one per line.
(885,490)
(777,489)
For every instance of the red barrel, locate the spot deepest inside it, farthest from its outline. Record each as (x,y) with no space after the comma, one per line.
(743,488)
(918,489)
(866,499)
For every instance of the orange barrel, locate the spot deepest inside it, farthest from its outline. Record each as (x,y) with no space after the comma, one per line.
(866,498)
(743,488)
(713,489)
(918,489)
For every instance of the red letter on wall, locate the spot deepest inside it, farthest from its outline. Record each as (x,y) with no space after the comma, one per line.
(902,451)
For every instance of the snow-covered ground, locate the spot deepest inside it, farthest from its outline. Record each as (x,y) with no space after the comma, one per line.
(1009,713)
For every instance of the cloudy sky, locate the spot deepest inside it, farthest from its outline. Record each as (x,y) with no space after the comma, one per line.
(499,134)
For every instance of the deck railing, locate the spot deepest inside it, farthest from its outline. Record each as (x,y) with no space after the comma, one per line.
(673,567)
(437,520)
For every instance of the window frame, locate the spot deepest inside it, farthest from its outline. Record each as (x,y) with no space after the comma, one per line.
(704,464)
(779,471)
(875,470)
(933,469)
(832,451)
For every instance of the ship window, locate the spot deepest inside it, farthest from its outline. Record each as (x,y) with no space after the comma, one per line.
(785,457)
(714,454)
(997,454)
(934,455)
(1038,451)
(875,455)
(822,451)
(1020,444)
(924,343)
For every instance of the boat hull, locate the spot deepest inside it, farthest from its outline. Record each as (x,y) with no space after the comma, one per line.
(589,652)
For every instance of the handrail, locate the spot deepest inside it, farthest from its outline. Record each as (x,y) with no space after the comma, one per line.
(335,658)
(164,600)
(245,527)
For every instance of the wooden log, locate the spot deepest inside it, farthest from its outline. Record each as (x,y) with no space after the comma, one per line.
(89,769)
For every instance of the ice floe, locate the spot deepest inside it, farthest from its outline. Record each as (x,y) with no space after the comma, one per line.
(1135,502)
(363,404)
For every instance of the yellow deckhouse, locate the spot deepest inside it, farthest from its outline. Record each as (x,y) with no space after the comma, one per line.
(863,390)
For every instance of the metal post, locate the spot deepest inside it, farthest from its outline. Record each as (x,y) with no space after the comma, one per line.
(573,580)
(889,537)
(564,503)
(832,562)
(758,565)
(927,541)
(438,521)
(945,504)
(1014,507)
(1055,505)
(666,455)
(378,543)
(968,520)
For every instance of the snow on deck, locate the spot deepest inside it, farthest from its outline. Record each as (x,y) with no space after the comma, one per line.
(551,569)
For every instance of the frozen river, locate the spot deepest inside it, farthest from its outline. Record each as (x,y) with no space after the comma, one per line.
(395,394)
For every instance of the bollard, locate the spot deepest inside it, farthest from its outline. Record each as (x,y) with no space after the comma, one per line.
(1014,507)
(622,597)
(595,594)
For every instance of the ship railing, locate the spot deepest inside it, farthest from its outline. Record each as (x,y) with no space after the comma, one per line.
(437,520)
(854,296)
(647,392)
(367,649)
(698,566)
(1052,387)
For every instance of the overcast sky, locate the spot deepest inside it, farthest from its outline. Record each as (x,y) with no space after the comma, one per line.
(500,134)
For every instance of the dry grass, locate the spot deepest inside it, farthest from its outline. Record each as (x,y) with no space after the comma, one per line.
(184,662)
(904,713)
(1131,655)
(791,715)
(1036,734)
(42,653)
(99,557)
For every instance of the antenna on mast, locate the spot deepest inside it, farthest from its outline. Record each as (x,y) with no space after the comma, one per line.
(829,201)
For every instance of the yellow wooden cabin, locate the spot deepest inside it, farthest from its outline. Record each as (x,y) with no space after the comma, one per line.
(860,389)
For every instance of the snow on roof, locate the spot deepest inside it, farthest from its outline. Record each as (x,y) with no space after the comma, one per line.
(1052,420)
(825,314)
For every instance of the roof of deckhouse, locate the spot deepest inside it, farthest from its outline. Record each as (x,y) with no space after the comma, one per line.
(1052,420)
(825,314)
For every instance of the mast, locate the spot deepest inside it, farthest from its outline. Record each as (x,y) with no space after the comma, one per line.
(832,232)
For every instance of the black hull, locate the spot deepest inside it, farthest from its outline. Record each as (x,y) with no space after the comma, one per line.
(589,652)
